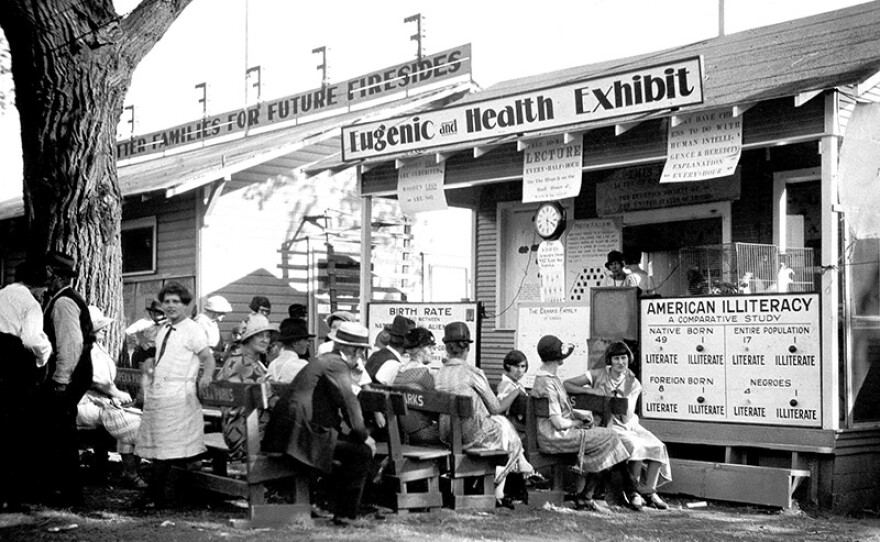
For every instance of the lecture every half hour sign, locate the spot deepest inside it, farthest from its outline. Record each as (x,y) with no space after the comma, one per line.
(747,359)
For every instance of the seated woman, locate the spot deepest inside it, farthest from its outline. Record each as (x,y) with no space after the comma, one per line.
(102,405)
(245,366)
(648,462)
(488,428)
(568,430)
(417,427)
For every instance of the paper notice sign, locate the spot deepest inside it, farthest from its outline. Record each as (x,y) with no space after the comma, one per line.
(552,169)
(551,261)
(705,145)
(420,186)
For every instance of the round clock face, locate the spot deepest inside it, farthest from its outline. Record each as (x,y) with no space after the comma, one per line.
(549,220)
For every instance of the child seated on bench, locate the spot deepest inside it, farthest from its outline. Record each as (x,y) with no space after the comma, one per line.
(649,461)
(488,428)
(102,405)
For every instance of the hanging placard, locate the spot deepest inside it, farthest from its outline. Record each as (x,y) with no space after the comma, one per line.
(420,186)
(552,169)
(704,145)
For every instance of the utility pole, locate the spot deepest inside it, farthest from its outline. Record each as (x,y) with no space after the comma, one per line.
(419,36)
(720,17)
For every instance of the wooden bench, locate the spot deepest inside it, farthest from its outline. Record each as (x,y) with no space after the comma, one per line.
(470,471)
(259,468)
(559,463)
(412,477)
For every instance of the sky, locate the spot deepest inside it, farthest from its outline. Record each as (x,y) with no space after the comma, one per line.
(214,41)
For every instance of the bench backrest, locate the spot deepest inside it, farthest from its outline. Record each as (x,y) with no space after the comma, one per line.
(457,407)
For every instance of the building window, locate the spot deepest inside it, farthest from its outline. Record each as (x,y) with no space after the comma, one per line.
(139,246)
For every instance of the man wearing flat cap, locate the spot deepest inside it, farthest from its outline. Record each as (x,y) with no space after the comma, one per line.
(306,421)
(68,325)
(384,363)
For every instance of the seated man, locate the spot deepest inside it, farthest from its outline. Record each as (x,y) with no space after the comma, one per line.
(306,421)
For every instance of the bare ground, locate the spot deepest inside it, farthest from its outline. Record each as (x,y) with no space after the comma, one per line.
(110,515)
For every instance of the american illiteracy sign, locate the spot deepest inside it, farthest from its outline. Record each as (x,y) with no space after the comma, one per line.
(650,88)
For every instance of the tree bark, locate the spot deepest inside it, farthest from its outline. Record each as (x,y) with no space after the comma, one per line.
(72,63)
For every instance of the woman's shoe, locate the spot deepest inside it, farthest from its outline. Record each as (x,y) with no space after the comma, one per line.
(655,501)
(635,502)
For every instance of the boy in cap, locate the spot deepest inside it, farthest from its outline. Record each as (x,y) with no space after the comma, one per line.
(306,421)
(141,335)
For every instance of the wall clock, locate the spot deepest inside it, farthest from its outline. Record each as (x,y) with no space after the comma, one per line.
(550,220)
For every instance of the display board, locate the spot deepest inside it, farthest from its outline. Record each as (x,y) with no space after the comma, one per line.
(615,313)
(568,321)
(587,244)
(433,316)
(748,358)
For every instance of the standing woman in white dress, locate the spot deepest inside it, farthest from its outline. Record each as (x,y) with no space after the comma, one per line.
(649,461)
(172,427)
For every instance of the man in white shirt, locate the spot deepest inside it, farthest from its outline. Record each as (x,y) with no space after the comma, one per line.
(216,307)
(294,337)
(25,348)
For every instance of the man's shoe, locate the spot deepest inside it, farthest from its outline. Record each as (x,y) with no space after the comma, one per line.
(357,523)
(133,481)
(658,503)
(536,480)
(505,502)
(635,502)
(583,503)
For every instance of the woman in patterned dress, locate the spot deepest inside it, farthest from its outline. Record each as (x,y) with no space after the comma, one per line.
(568,430)
(246,366)
(418,427)
(488,428)
(649,461)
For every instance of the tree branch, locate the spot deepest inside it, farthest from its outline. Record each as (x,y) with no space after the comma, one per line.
(146,25)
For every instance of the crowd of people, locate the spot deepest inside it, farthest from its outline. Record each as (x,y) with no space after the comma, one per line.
(59,377)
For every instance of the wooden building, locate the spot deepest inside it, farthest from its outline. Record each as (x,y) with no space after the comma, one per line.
(793,88)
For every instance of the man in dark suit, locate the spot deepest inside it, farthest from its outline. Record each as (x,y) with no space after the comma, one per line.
(384,363)
(306,421)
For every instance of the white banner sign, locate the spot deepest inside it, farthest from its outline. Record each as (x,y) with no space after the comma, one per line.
(748,359)
(434,317)
(650,88)
(420,186)
(552,169)
(704,146)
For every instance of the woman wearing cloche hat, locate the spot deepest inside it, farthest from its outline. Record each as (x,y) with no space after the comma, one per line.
(617,273)
(568,430)
(245,366)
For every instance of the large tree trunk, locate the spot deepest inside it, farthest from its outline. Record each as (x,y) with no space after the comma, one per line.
(72,62)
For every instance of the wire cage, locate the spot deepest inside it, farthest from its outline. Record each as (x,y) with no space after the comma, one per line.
(744,268)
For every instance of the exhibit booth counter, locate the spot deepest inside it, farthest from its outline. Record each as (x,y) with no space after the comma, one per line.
(744,205)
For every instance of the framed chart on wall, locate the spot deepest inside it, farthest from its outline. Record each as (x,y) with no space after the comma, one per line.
(570,322)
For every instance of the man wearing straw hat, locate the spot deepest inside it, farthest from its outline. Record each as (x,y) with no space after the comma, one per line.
(306,422)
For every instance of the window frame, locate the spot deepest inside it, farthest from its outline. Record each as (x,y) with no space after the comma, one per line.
(136,224)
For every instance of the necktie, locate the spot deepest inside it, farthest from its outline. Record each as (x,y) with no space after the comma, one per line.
(164,343)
